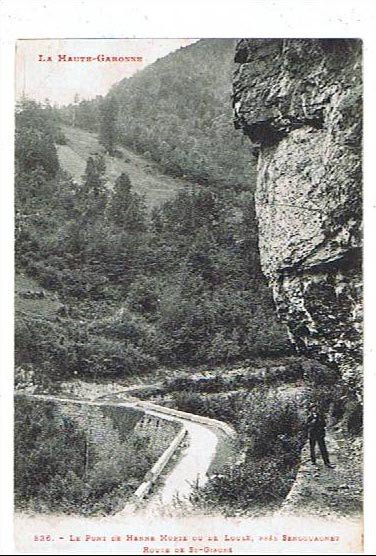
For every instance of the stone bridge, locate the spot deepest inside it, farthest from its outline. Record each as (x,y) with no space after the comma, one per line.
(163,428)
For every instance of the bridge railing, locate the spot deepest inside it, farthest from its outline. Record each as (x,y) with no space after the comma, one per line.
(162,412)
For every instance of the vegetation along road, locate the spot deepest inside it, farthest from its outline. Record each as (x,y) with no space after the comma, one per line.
(191,468)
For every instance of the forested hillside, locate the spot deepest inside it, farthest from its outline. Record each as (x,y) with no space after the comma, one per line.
(166,294)
(179,287)
(177,112)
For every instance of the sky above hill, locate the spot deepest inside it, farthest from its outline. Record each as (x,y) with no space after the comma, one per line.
(62,69)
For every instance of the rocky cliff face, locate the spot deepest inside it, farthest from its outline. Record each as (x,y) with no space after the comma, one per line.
(300,102)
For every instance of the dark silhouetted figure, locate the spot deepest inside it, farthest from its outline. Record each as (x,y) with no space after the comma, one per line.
(316,425)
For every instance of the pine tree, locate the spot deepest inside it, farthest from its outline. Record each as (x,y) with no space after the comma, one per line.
(108,133)
(126,209)
(93,193)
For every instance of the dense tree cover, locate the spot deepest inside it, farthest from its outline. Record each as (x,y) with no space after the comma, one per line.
(183,287)
(67,239)
(108,132)
(177,112)
(213,305)
(58,468)
(36,162)
(82,113)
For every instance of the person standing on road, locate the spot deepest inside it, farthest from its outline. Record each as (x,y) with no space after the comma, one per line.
(316,426)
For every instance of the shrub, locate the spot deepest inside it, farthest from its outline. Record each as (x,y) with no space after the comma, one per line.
(262,482)
(59,137)
(319,374)
(54,471)
(268,418)
(189,401)
(40,343)
(353,417)
(270,438)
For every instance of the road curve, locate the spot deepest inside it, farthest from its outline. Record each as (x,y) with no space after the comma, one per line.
(193,464)
(191,468)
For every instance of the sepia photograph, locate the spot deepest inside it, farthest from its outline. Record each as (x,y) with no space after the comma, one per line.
(188,292)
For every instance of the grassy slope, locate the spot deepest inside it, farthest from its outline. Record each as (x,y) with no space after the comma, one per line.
(145,175)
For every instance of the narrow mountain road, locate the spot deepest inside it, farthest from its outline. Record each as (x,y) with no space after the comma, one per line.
(195,460)
(177,482)
(190,468)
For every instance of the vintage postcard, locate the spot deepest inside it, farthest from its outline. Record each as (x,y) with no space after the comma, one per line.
(188,296)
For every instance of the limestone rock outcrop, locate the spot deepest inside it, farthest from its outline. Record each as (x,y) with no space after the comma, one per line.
(300,103)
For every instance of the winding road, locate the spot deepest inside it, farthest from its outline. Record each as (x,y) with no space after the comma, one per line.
(190,468)
(157,187)
(194,464)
